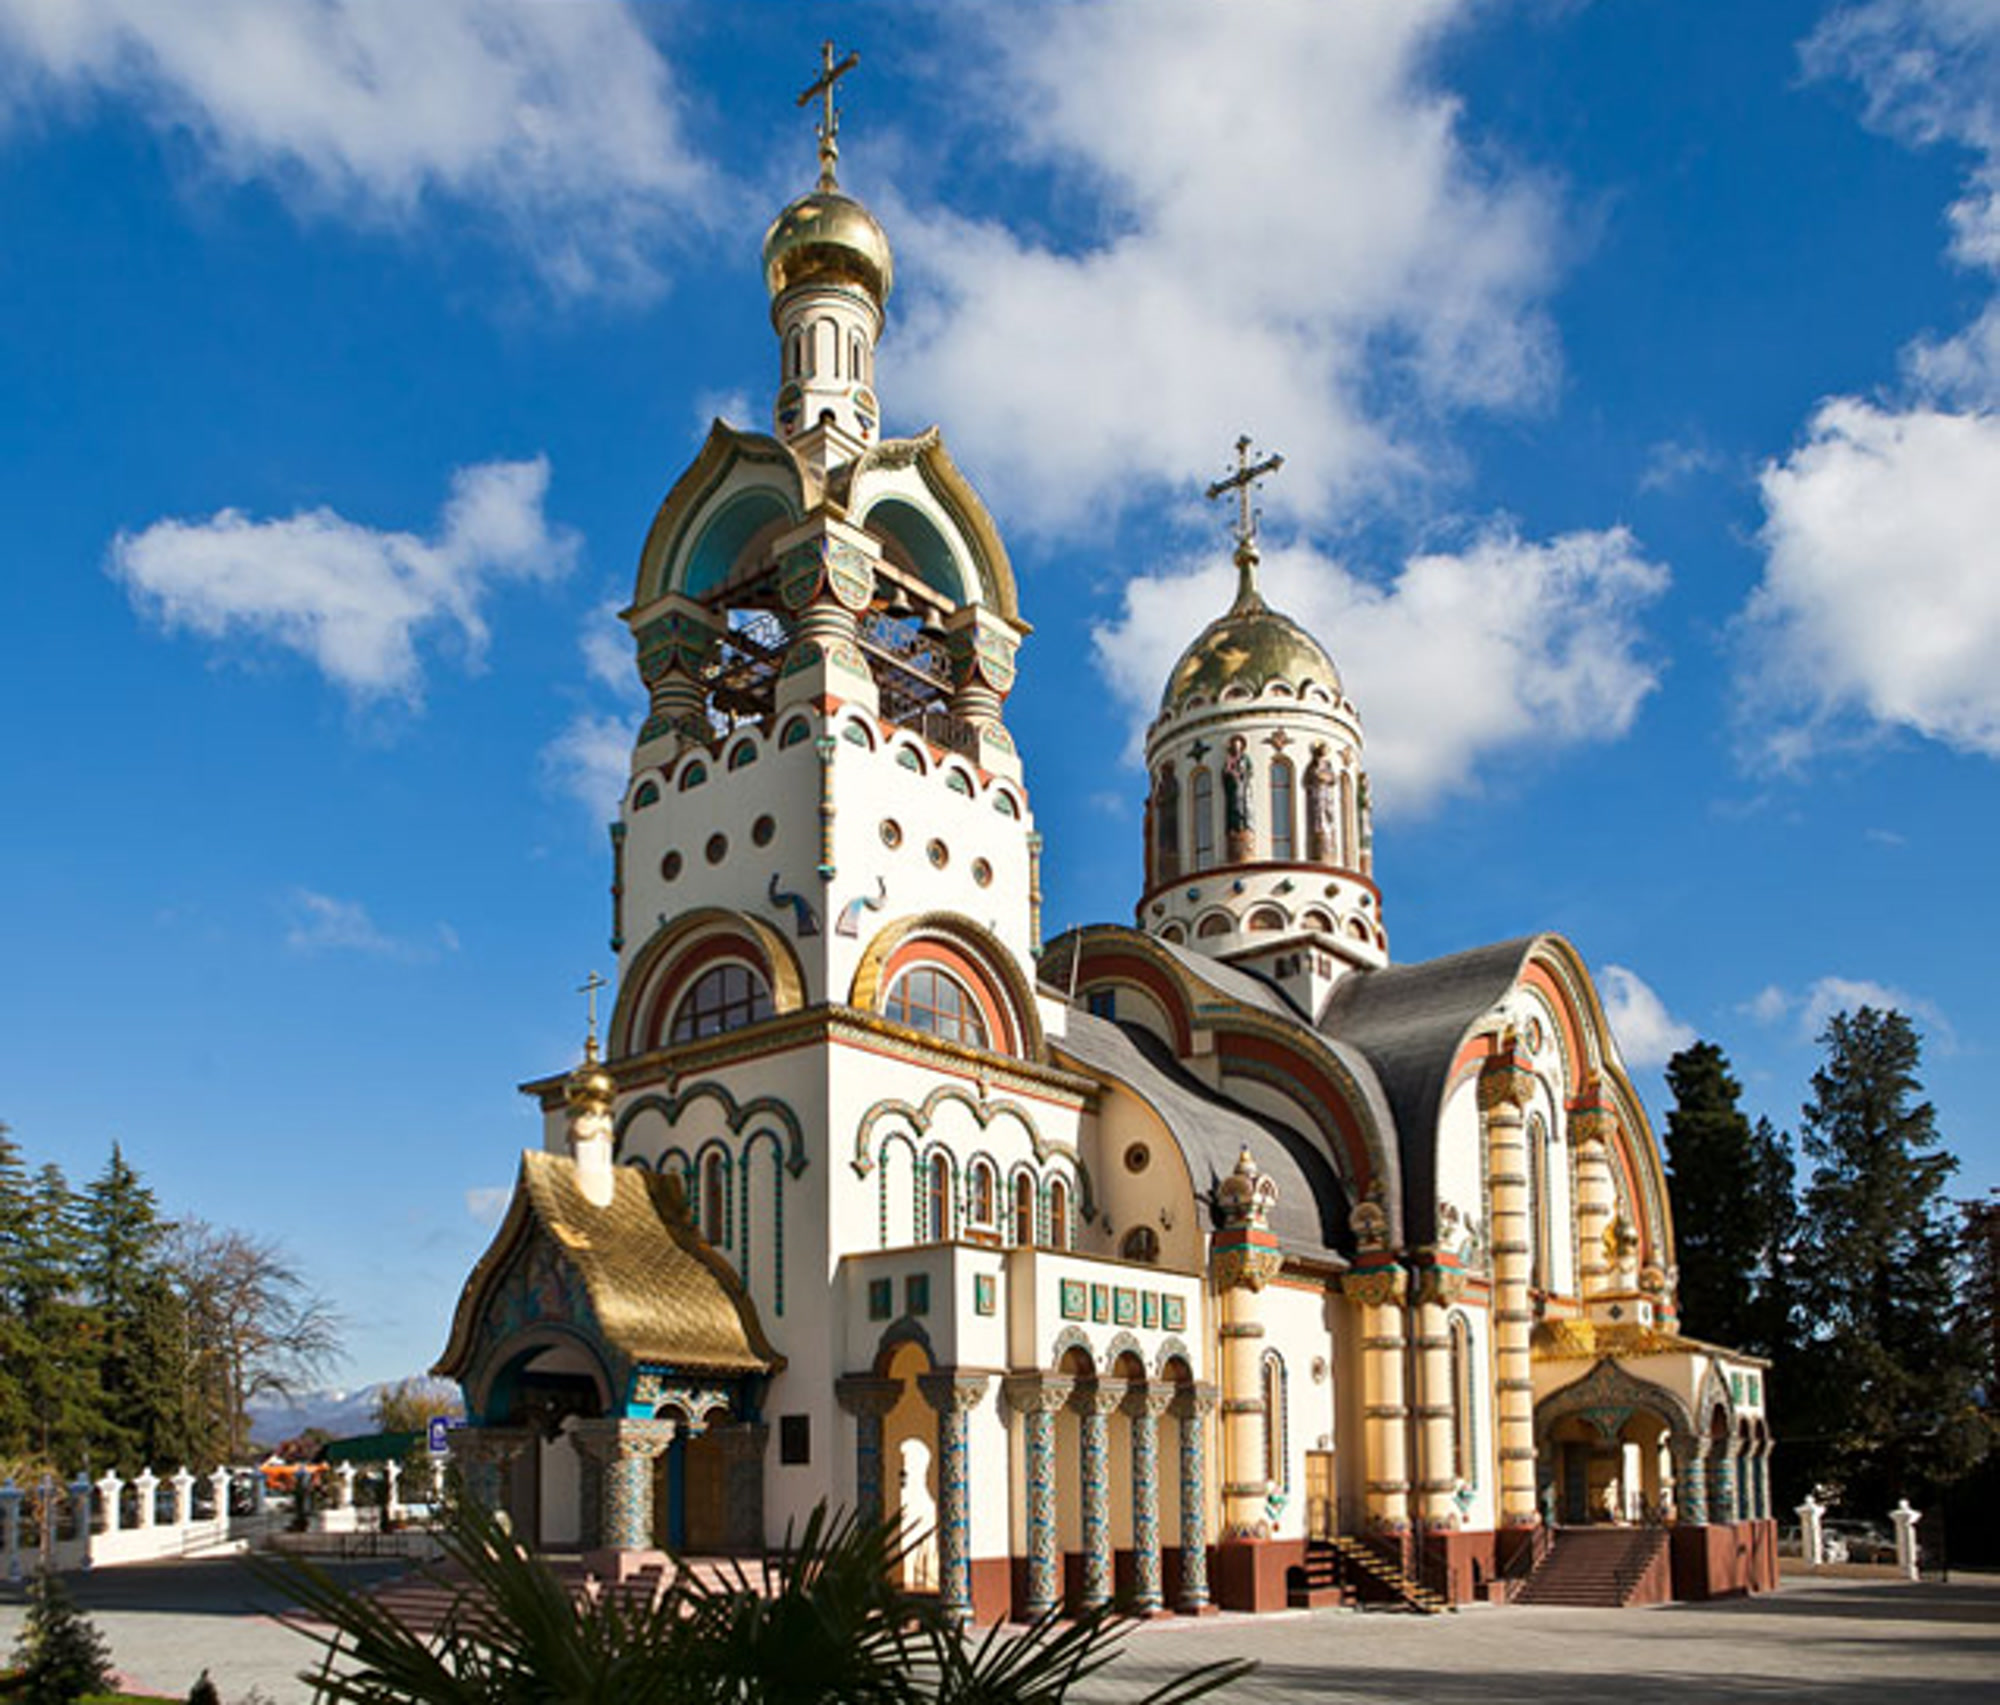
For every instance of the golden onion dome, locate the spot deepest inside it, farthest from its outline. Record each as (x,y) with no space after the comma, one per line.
(589,1087)
(1249,646)
(828,238)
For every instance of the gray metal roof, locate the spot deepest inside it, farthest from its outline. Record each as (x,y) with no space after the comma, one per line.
(1311,1214)
(1408,1020)
(1239,985)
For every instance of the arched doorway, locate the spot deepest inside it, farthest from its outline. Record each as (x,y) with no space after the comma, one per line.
(540,1387)
(909,1463)
(1605,1449)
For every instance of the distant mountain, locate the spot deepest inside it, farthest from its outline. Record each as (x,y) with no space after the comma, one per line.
(340,1410)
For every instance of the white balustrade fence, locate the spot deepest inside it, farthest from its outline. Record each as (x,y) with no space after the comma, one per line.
(85,1524)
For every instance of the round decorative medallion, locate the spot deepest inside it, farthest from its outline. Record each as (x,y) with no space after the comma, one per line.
(1138,1157)
(1536,1035)
(763,829)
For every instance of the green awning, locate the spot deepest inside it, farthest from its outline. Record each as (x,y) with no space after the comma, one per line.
(371,1447)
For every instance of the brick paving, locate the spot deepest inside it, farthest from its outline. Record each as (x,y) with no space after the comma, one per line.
(1843,1642)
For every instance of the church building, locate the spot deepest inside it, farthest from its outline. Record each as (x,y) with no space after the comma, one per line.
(1214,1259)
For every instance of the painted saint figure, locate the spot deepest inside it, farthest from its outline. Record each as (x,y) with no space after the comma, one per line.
(1238,807)
(1166,808)
(1322,808)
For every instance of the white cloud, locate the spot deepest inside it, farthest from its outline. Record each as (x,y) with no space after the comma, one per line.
(1648,1035)
(1881,590)
(1880,603)
(487,1203)
(1506,646)
(607,654)
(1287,232)
(560,123)
(1811,1007)
(353,600)
(591,760)
(321,923)
(1671,463)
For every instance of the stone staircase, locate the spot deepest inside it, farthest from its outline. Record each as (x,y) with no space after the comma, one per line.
(1333,1568)
(1603,1568)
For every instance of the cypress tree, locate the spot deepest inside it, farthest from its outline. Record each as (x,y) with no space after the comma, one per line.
(1714,1171)
(119,1267)
(60,1379)
(1889,1369)
(18,1348)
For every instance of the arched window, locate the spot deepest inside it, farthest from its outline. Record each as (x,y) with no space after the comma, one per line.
(715,1198)
(1058,1214)
(648,794)
(1024,1211)
(1274,1421)
(1216,923)
(744,752)
(798,354)
(1538,1199)
(1201,793)
(854,357)
(1142,1243)
(928,999)
(1281,810)
(724,997)
(1464,1441)
(938,1196)
(979,1194)
(1266,918)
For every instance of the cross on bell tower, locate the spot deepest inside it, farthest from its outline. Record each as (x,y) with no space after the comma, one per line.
(828,127)
(1244,482)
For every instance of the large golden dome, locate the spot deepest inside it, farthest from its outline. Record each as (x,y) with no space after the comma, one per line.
(828,238)
(1250,646)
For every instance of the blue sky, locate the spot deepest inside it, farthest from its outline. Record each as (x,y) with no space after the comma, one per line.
(1636,366)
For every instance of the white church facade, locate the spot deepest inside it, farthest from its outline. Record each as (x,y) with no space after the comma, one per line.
(1217,1259)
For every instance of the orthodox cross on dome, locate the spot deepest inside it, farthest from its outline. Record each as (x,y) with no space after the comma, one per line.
(829,120)
(589,987)
(1243,482)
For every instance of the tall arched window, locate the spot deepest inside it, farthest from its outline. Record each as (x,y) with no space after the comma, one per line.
(715,1198)
(1201,795)
(1024,1211)
(1281,810)
(1464,1417)
(1058,1214)
(926,998)
(1538,1199)
(939,1195)
(724,997)
(1274,1421)
(979,1194)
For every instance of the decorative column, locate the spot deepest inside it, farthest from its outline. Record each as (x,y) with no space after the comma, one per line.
(1691,1483)
(1505,1085)
(108,1488)
(1243,1259)
(1591,1123)
(625,1449)
(1722,1506)
(826,578)
(868,1400)
(1440,1282)
(1037,1397)
(1764,1480)
(1145,1403)
(1192,1407)
(183,1497)
(1094,1401)
(674,638)
(484,1456)
(10,1527)
(982,648)
(1377,1283)
(953,1395)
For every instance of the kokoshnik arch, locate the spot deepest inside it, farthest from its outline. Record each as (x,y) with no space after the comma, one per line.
(1154,1259)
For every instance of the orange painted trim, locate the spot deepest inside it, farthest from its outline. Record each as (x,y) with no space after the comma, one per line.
(1002,1030)
(1100,966)
(1575,1057)
(1317,1085)
(678,976)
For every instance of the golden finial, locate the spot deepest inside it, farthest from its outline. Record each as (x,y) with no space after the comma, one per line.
(1243,482)
(829,121)
(588,988)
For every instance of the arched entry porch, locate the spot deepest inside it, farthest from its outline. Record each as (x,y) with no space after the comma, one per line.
(1612,1447)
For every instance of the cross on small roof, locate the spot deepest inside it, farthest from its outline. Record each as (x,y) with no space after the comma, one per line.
(829,120)
(589,987)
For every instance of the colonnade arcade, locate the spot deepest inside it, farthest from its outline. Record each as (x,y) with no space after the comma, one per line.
(1101,1463)
(1612,1446)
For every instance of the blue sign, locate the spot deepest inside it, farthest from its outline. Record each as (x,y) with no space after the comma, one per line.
(440,1430)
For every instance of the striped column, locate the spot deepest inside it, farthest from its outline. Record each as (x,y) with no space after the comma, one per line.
(1505,1085)
(1145,1403)
(1192,1407)
(1037,1397)
(954,1395)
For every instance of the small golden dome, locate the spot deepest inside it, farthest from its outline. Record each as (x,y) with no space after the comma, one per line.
(589,1087)
(828,238)
(1250,646)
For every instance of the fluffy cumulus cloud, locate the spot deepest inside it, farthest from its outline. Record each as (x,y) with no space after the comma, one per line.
(324,923)
(559,121)
(1288,230)
(1880,603)
(1809,1008)
(1648,1034)
(354,600)
(590,759)
(1508,646)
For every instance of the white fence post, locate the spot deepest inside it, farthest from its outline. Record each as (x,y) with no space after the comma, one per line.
(108,1489)
(147,1485)
(1811,1512)
(1906,1520)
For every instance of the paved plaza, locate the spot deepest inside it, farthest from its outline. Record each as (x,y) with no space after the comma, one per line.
(1874,1641)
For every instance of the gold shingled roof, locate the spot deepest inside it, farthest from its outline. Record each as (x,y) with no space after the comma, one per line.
(1581,1340)
(659,1292)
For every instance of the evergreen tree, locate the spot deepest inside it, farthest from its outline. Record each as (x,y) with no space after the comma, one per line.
(1773,1324)
(119,1266)
(18,1349)
(1888,1373)
(60,1378)
(60,1650)
(1731,1189)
